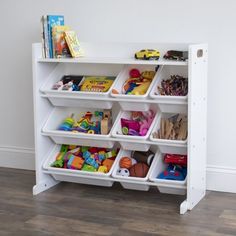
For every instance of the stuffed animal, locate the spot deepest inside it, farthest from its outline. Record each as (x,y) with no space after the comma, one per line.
(123,172)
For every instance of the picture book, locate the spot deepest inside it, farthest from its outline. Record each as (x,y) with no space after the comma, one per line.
(73,44)
(53,20)
(60,47)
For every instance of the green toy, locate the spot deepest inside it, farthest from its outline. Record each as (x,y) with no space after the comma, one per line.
(88,168)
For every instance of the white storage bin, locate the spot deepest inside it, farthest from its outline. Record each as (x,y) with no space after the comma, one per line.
(167,145)
(120,80)
(71,98)
(79,102)
(135,183)
(77,176)
(64,137)
(163,74)
(140,145)
(166,186)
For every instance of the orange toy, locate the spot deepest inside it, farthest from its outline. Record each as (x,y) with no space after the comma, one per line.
(108,163)
(125,162)
(114,91)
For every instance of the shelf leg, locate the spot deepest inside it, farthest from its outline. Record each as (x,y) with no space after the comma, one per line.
(183,207)
(43,186)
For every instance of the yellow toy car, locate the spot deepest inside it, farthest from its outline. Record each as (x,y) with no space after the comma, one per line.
(147,54)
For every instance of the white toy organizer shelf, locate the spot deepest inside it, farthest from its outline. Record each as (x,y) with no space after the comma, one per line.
(113,59)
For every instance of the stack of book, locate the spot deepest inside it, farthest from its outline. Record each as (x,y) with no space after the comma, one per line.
(58,40)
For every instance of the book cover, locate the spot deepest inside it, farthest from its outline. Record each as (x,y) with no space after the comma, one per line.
(73,44)
(53,20)
(60,47)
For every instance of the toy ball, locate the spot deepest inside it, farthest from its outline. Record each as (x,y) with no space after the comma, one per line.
(123,172)
(127,162)
(134,73)
(139,170)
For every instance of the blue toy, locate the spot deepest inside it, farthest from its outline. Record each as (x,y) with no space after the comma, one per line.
(174,172)
(92,162)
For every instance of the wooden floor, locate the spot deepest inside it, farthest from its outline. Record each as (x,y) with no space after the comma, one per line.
(72,209)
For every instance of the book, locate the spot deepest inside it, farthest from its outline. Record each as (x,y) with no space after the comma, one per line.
(73,44)
(53,20)
(46,38)
(60,47)
(43,37)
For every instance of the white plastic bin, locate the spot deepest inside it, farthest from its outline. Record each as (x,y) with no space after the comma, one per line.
(134,183)
(166,186)
(167,145)
(118,85)
(64,137)
(77,176)
(140,145)
(71,98)
(164,73)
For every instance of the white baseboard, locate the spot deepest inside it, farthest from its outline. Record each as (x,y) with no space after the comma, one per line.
(17,157)
(221,179)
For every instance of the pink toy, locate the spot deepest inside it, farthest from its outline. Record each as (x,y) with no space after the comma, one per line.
(146,123)
(139,123)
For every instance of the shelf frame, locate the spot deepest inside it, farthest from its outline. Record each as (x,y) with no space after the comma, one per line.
(122,54)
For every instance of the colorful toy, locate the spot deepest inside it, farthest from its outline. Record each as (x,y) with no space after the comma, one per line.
(139,124)
(67,124)
(67,82)
(89,168)
(175,159)
(85,158)
(123,172)
(174,172)
(175,86)
(102,169)
(110,154)
(138,83)
(75,162)
(127,162)
(108,163)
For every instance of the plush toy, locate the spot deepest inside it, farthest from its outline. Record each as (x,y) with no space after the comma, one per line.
(173,172)
(123,172)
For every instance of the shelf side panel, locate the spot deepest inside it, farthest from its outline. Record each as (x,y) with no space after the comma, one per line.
(197,126)
(42,108)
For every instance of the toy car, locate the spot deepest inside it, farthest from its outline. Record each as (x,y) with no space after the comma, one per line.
(176,55)
(147,54)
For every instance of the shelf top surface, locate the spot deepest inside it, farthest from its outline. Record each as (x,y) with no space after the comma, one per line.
(112,60)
